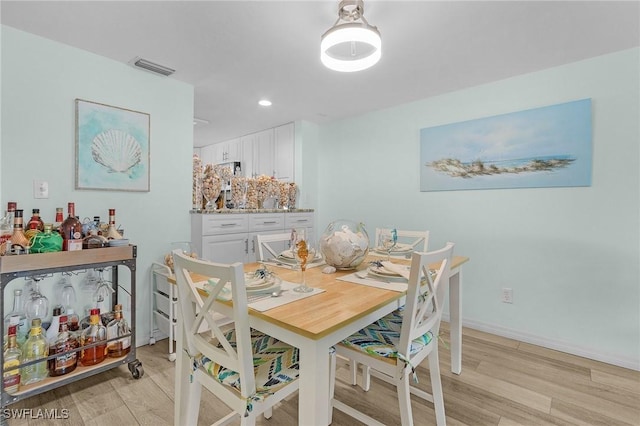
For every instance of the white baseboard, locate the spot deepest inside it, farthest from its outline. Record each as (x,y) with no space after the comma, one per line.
(558,345)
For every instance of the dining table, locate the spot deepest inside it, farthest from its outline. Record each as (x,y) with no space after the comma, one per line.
(314,324)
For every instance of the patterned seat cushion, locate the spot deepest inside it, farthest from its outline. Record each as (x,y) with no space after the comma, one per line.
(381,338)
(275,364)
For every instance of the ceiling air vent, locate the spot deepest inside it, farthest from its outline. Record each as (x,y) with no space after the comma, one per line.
(151,66)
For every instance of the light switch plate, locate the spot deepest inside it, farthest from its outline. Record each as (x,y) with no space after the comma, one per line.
(40,189)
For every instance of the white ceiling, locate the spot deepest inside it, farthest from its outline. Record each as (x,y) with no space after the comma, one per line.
(236,52)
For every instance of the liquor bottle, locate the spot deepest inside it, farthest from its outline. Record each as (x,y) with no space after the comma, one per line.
(34,348)
(52,332)
(59,219)
(112,232)
(18,311)
(47,241)
(18,238)
(116,328)
(6,223)
(96,333)
(12,355)
(71,230)
(73,322)
(35,222)
(64,344)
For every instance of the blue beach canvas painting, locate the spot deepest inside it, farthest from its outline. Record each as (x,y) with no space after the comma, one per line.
(541,147)
(112,148)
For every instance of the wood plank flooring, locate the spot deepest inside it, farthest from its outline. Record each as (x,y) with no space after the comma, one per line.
(503,382)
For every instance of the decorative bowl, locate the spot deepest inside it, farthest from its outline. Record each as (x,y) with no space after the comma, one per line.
(344,244)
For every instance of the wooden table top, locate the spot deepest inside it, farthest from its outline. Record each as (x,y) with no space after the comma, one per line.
(340,303)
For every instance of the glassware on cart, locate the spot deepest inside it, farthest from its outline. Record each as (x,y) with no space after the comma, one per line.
(303,253)
(37,305)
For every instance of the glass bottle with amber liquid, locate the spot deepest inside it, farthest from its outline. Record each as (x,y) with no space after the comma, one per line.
(64,344)
(11,359)
(35,222)
(18,238)
(71,230)
(118,327)
(96,333)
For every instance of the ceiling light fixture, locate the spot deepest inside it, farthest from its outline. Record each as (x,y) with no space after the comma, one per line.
(264,102)
(352,45)
(151,66)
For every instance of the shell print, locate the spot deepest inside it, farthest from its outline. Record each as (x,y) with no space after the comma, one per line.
(118,151)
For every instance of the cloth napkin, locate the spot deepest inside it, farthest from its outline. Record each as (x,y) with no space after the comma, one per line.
(398,269)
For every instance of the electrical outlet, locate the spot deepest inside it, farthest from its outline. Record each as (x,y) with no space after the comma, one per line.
(507,295)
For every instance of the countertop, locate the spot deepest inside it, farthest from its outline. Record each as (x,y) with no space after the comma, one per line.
(243,211)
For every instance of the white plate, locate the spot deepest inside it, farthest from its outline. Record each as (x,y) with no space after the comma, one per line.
(384,271)
(386,276)
(257,283)
(287,257)
(267,290)
(399,248)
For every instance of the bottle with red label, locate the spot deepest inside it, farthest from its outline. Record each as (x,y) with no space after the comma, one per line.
(71,230)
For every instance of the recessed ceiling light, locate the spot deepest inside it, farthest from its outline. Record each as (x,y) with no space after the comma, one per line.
(264,102)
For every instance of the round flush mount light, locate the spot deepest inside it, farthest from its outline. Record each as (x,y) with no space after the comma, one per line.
(351,45)
(264,102)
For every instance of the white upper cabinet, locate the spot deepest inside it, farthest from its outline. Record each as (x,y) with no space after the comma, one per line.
(263,153)
(284,152)
(223,152)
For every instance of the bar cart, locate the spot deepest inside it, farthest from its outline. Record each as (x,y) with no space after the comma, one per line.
(12,267)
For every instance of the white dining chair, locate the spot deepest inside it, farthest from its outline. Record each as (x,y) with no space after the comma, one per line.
(271,245)
(395,345)
(418,240)
(247,370)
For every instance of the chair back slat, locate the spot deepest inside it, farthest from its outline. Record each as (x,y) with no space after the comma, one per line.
(268,243)
(191,316)
(425,296)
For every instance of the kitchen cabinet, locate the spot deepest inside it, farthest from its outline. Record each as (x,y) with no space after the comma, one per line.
(284,153)
(43,264)
(269,152)
(231,237)
(223,152)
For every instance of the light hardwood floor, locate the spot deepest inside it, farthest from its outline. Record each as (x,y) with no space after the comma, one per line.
(503,382)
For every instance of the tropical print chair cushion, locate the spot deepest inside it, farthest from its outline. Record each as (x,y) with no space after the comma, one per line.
(275,364)
(381,338)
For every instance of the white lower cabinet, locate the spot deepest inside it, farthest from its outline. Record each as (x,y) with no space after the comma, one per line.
(229,238)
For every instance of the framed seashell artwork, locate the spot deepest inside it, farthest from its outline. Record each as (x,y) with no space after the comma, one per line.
(112,148)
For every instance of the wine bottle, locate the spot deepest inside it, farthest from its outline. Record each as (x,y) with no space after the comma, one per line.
(47,241)
(71,230)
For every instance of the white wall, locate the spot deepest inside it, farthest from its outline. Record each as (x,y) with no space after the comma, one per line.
(571,255)
(40,81)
